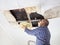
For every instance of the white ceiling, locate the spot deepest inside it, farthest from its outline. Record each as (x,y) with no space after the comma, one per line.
(13,4)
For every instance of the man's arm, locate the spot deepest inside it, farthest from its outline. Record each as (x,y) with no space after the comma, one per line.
(32,32)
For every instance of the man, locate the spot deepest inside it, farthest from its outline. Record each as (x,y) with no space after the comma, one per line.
(42,32)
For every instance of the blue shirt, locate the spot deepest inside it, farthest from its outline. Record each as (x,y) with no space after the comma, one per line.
(42,34)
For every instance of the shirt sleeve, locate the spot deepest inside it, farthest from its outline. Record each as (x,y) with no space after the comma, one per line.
(32,32)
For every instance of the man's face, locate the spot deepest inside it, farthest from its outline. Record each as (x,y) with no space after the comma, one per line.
(41,23)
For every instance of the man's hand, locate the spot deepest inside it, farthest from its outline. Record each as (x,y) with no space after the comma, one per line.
(24,25)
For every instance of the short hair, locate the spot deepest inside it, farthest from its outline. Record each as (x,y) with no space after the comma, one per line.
(46,22)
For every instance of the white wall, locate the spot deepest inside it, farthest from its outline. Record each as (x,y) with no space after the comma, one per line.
(12,34)
(54,27)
